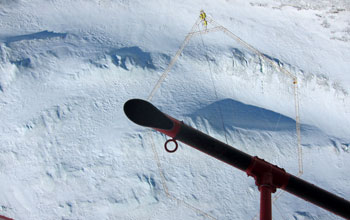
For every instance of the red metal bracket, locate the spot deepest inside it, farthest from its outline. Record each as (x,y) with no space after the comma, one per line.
(266,173)
(267,177)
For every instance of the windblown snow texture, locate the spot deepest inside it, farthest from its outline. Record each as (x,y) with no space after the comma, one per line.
(67,151)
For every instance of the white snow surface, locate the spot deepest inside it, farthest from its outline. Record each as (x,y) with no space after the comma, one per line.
(67,151)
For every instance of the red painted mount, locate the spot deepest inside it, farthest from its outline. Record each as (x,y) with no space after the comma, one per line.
(266,173)
(267,177)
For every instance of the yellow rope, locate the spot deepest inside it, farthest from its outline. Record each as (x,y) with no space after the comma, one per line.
(165,74)
(173,60)
(216,94)
(283,70)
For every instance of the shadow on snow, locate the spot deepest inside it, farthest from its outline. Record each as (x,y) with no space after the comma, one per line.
(134,56)
(237,114)
(34,36)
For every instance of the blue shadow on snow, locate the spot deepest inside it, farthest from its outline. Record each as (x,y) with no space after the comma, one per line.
(237,114)
(34,36)
(134,55)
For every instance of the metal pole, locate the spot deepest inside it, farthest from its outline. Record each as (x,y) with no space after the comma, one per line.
(145,114)
(265,202)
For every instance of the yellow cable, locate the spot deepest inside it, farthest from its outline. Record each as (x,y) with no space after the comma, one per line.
(239,40)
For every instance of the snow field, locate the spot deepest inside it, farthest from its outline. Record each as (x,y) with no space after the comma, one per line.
(67,68)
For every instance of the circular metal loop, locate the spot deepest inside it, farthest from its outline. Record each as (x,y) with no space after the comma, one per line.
(166,147)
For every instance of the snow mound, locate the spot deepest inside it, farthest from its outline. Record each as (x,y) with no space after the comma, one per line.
(244,116)
(128,57)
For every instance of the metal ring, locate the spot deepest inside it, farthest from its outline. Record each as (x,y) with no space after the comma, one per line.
(167,149)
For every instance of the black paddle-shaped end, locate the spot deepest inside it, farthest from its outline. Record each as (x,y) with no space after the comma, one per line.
(145,114)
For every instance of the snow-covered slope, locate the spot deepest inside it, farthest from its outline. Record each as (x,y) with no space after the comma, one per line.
(67,68)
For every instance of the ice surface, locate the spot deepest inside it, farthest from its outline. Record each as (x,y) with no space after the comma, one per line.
(67,151)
